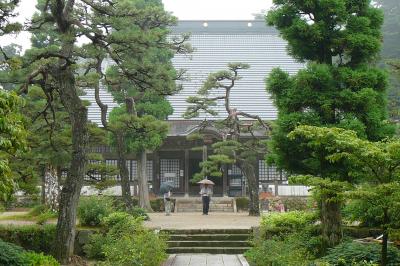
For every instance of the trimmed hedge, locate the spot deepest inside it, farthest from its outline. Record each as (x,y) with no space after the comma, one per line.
(30,237)
(242,203)
(156,204)
(349,231)
(40,238)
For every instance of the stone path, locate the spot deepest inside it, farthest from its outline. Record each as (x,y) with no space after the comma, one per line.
(205,260)
(194,220)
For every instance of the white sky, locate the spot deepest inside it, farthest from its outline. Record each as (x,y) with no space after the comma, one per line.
(183,9)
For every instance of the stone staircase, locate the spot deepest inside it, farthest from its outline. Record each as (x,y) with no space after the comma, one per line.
(223,204)
(212,241)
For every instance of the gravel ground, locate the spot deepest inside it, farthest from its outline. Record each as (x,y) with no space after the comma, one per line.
(199,221)
(216,220)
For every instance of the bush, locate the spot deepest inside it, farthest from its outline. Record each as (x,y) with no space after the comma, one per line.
(157,205)
(295,204)
(280,252)
(353,252)
(92,209)
(37,210)
(126,242)
(94,248)
(39,259)
(289,221)
(139,212)
(30,237)
(242,203)
(119,204)
(11,254)
(44,217)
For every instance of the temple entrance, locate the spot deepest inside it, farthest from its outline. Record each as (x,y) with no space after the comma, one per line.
(194,167)
(195,158)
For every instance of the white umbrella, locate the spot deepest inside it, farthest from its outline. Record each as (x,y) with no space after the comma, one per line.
(206,182)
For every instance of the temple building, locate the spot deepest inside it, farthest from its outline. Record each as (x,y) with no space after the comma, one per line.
(215,43)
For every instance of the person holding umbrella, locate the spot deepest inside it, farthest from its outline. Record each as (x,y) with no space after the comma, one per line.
(205,192)
(165,189)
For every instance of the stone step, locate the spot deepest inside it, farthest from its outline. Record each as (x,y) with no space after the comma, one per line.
(222,231)
(210,237)
(200,203)
(210,250)
(201,207)
(198,200)
(213,243)
(200,210)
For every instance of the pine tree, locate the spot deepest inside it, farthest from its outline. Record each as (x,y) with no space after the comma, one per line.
(339,87)
(239,144)
(66,66)
(140,89)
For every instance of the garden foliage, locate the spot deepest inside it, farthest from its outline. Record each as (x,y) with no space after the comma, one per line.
(124,241)
(91,210)
(13,255)
(286,239)
(352,252)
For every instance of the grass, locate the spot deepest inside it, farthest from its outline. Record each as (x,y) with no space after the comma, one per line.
(37,214)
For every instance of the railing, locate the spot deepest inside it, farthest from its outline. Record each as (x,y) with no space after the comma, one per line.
(293,191)
(285,190)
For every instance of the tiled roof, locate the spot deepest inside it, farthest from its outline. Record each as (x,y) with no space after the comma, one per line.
(215,46)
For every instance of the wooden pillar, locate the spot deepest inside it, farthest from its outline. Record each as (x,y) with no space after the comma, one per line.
(204,152)
(156,172)
(186,173)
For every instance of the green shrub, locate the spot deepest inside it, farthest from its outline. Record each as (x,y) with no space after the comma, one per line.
(94,248)
(289,221)
(44,217)
(279,252)
(30,237)
(11,255)
(242,203)
(126,242)
(157,205)
(119,203)
(39,259)
(92,209)
(37,210)
(353,252)
(296,204)
(139,212)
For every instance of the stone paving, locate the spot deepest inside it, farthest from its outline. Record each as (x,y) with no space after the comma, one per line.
(191,220)
(205,260)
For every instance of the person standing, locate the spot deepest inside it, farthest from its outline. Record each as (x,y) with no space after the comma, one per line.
(206,192)
(167,203)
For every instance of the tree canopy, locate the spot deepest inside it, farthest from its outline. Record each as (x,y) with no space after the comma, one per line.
(376,166)
(339,87)
(239,143)
(12,138)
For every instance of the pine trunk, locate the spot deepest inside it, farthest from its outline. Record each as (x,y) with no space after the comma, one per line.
(331,221)
(65,232)
(124,172)
(51,188)
(144,200)
(248,171)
